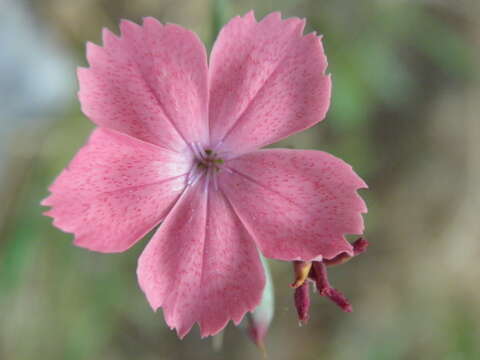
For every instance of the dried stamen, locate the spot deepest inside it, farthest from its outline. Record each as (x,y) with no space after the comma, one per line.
(302,269)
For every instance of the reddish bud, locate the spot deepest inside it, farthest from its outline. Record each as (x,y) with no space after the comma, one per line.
(359,246)
(325,289)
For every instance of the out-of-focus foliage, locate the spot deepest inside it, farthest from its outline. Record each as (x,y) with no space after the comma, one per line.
(404,114)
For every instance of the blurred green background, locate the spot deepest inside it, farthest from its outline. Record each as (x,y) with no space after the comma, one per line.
(405,114)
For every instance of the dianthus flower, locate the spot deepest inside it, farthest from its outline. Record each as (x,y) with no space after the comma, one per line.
(177,143)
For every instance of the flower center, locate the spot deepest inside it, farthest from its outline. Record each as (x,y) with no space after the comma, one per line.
(207,162)
(209,159)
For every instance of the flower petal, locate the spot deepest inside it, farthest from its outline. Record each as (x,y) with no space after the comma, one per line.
(150,83)
(267,81)
(115,190)
(201,265)
(297,204)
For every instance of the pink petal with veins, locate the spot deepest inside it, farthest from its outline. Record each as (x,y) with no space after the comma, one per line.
(201,265)
(267,81)
(297,204)
(115,190)
(150,83)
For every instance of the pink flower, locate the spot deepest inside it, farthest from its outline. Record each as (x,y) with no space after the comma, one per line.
(177,143)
